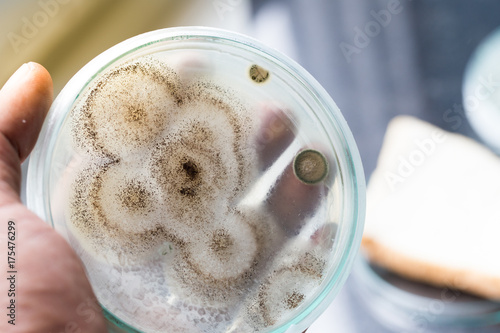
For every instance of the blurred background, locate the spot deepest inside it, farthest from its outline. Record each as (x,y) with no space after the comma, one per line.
(376,58)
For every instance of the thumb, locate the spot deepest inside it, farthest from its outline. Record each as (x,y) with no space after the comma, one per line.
(24,102)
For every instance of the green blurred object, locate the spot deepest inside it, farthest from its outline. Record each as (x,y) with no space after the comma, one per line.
(63,35)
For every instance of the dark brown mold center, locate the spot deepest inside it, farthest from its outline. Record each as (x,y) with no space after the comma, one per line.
(135,115)
(221,242)
(192,180)
(191,169)
(134,197)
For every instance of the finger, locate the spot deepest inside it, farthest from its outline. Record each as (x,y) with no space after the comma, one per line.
(292,201)
(51,291)
(24,102)
(275,134)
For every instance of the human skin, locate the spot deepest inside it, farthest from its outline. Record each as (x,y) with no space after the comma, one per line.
(52,293)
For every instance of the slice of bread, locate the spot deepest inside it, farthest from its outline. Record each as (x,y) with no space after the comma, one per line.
(433,209)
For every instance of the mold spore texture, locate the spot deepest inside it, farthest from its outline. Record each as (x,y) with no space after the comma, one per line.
(127,108)
(164,164)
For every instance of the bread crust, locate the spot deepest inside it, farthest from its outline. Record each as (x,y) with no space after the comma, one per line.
(468,281)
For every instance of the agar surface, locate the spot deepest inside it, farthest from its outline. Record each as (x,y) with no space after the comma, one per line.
(164,163)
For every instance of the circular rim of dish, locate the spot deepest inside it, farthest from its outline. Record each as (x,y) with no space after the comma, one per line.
(352,175)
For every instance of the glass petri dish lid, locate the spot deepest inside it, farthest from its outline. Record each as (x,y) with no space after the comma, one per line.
(207,182)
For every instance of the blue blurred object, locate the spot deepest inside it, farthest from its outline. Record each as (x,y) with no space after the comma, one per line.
(377,66)
(481,93)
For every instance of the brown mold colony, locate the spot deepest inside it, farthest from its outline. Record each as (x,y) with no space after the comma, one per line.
(310,166)
(286,288)
(166,163)
(258,74)
(116,215)
(221,264)
(134,103)
(171,166)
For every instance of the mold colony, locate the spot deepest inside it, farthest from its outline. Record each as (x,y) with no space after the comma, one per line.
(165,163)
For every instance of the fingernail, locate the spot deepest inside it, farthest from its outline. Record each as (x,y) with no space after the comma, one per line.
(22,71)
(31,65)
(19,74)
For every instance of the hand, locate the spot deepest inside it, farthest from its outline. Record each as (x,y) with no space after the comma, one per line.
(50,287)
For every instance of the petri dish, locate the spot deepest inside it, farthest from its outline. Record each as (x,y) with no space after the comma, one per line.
(167,162)
(401,305)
